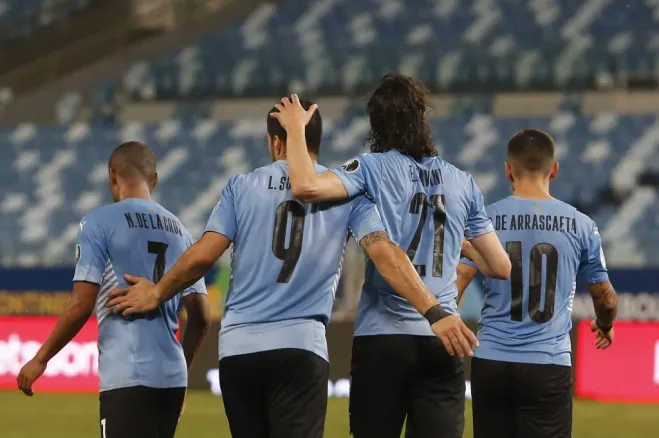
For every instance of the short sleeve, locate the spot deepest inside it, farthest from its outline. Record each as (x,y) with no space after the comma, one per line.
(223,218)
(478,223)
(466,261)
(359,175)
(593,264)
(198,288)
(364,218)
(91,252)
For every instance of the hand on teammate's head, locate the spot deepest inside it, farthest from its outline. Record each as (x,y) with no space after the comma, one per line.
(290,113)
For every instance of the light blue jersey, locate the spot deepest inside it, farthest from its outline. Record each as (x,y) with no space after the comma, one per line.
(141,238)
(427,207)
(286,261)
(527,318)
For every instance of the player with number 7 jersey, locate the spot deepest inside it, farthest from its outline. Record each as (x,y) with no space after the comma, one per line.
(143,369)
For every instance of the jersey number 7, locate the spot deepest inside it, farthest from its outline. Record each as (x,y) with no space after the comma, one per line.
(420,206)
(514,250)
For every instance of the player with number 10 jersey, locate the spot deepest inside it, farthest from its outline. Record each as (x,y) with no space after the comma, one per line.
(521,373)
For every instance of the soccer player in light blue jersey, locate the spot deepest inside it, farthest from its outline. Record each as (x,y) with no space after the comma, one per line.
(399,369)
(521,373)
(142,367)
(286,264)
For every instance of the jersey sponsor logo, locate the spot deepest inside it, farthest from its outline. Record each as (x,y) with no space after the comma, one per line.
(82,224)
(351,166)
(78,252)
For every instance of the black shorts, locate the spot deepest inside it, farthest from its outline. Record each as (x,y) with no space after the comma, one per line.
(518,400)
(395,377)
(140,412)
(275,394)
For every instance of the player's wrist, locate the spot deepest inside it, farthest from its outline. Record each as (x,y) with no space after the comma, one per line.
(435,313)
(603,327)
(158,294)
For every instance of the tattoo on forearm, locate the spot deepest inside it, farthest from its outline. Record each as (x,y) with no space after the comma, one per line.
(605,301)
(378,236)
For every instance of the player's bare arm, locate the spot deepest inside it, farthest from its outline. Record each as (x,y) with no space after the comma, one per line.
(306,184)
(494,257)
(144,296)
(605,301)
(398,271)
(197,325)
(465,274)
(80,308)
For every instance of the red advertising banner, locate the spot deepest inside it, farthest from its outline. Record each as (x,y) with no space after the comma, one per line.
(74,369)
(627,371)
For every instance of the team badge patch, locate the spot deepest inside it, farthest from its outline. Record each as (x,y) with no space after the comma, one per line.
(77,253)
(351,166)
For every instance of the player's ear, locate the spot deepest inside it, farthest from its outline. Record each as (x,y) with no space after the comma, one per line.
(509,172)
(279,148)
(554,171)
(154,181)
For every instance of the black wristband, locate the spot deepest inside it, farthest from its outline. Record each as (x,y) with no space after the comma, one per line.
(603,328)
(435,313)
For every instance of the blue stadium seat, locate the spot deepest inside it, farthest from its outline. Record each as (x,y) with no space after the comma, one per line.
(345,46)
(52,175)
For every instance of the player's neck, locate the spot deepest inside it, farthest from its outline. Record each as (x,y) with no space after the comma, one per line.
(282,157)
(532,189)
(135,192)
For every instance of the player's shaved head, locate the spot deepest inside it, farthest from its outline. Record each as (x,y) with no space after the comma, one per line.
(531,151)
(133,160)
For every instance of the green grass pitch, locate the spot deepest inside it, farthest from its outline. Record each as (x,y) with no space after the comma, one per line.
(76,416)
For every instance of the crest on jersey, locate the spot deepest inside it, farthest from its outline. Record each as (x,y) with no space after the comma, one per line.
(351,166)
(77,253)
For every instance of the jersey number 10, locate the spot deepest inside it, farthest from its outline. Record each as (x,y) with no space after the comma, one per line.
(514,250)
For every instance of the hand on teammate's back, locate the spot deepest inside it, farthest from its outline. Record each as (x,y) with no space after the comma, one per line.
(291,113)
(30,372)
(138,298)
(602,340)
(455,335)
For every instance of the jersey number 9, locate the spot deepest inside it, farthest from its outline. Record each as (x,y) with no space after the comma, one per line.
(289,255)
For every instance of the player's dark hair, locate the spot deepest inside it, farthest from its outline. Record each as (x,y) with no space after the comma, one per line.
(133,160)
(531,150)
(312,132)
(397,111)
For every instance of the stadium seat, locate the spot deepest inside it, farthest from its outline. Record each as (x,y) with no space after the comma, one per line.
(344,46)
(52,175)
